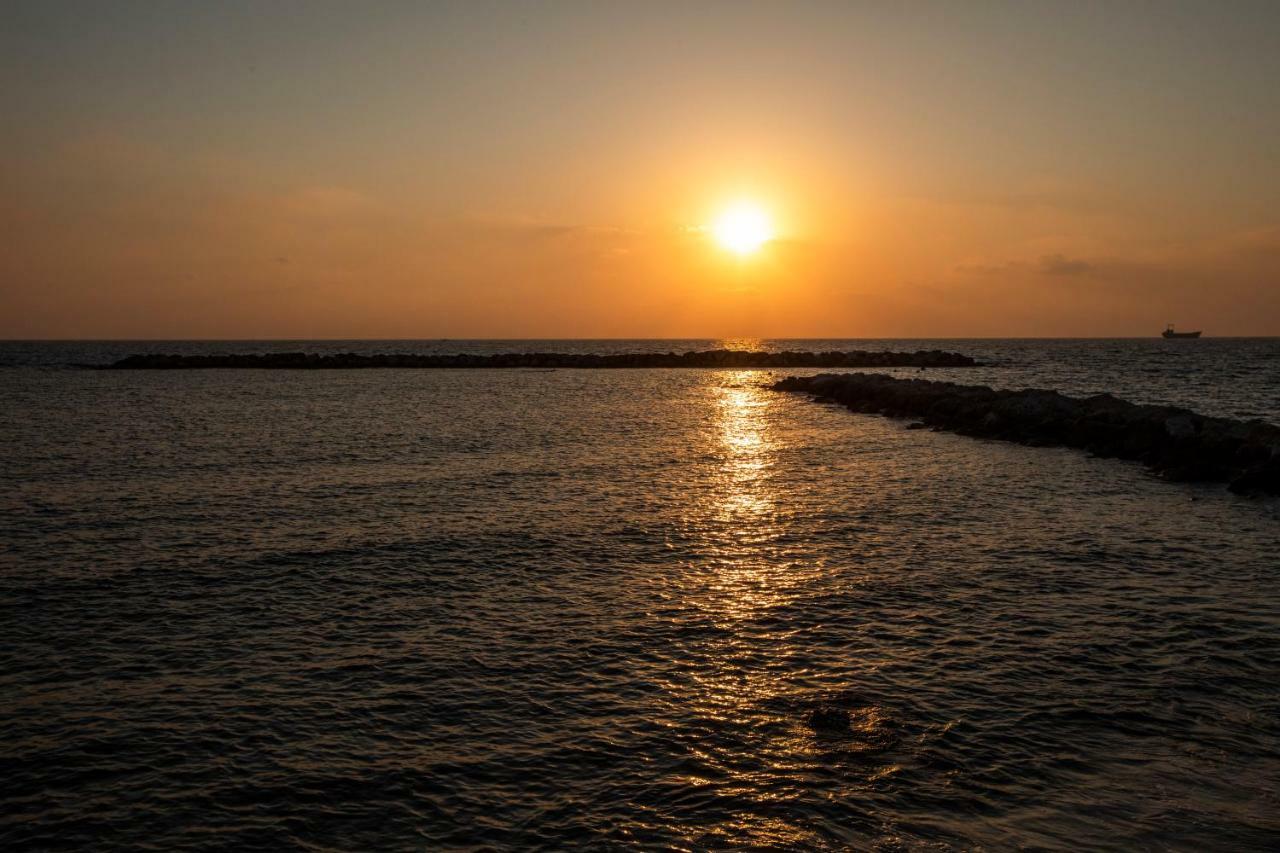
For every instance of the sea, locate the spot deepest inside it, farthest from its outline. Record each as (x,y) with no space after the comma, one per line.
(548,609)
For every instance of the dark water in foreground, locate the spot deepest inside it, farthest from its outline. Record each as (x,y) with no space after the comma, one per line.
(428,609)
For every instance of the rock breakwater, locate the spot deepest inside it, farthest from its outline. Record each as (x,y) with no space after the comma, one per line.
(1176,443)
(705,358)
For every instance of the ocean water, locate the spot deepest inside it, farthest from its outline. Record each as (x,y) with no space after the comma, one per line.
(494,609)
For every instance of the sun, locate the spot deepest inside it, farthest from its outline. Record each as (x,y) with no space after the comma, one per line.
(743,228)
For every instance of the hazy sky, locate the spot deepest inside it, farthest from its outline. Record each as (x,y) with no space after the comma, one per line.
(316,169)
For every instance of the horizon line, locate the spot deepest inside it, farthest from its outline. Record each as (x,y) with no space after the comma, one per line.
(704,338)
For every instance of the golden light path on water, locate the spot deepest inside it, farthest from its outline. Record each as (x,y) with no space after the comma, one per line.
(742,504)
(752,661)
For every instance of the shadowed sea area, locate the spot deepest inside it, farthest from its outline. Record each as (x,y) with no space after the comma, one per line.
(537,609)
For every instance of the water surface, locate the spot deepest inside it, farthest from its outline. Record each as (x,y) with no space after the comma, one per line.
(509,608)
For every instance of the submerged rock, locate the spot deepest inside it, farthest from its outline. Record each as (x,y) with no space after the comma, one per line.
(829,719)
(705,358)
(1177,443)
(1180,426)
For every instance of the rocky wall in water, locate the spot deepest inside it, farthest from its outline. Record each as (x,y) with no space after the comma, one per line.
(706,358)
(1177,443)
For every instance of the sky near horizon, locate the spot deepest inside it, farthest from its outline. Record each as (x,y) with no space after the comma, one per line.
(404,170)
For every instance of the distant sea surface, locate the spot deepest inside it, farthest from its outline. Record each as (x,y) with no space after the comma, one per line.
(434,609)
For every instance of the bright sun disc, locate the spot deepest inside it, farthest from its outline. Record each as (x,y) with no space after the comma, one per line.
(743,228)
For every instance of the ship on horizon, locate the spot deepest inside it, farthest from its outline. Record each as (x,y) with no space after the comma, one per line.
(1170,333)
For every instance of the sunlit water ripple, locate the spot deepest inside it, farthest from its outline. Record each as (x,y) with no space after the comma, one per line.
(390,609)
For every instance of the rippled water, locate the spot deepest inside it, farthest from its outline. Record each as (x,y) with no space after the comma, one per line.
(428,609)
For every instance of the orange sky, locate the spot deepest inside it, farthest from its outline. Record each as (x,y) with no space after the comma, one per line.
(493,170)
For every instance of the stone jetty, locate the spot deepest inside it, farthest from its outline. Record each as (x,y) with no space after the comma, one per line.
(705,358)
(1176,443)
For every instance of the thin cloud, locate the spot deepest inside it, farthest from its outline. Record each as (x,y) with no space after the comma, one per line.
(1056,265)
(1061,265)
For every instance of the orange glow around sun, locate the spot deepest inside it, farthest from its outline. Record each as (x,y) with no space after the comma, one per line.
(743,228)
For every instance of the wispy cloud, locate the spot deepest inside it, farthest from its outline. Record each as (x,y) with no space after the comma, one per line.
(1057,265)
(1061,265)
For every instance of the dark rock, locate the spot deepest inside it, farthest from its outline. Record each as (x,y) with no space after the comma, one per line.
(1178,444)
(829,719)
(916,425)
(1261,479)
(707,358)
(1180,426)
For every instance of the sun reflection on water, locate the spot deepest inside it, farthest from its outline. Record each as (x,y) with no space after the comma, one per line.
(749,344)
(742,495)
(740,675)
(739,520)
